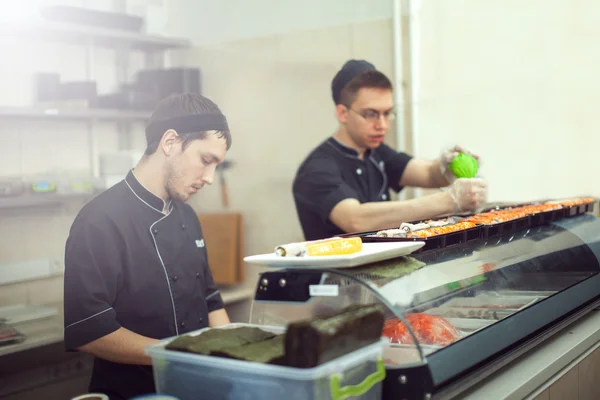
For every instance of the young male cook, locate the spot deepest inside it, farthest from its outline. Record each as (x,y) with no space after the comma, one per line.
(344,184)
(136,267)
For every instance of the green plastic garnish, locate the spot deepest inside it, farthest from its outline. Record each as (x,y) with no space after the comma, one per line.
(464,166)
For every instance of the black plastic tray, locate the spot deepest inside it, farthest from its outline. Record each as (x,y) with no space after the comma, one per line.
(433,242)
(573,211)
(530,221)
(483,231)
(545,217)
(506,228)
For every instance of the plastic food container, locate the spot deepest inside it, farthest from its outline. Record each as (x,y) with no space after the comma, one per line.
(357,375)
(433,242)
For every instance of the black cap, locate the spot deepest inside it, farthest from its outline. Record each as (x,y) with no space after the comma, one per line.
(350,70)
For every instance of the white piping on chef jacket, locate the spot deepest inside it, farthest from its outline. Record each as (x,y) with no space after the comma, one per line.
(143,201)
(165,269)
(385,179)
(158,252)
(212,294)
(90,317)
(354,157)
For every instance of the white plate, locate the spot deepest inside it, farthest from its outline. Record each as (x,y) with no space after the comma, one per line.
(371,252)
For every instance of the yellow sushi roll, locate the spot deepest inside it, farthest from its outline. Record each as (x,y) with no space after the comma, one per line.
(335,247)
(323,247)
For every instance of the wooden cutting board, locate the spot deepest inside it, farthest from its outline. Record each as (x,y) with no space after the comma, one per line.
(224,239)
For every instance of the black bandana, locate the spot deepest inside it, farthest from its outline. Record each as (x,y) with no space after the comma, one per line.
(187,124)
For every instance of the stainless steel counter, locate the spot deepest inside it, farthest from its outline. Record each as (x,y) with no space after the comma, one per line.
(39,333)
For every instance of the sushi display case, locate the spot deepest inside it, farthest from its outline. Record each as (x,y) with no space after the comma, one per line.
(455,314)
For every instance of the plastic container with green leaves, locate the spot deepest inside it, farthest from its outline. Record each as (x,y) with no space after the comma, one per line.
(356,375)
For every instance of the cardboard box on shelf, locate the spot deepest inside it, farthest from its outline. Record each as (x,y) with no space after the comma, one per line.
(224,240)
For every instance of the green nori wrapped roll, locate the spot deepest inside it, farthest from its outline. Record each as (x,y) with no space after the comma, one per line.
(391,269)
(314,342)
(270,351)
(181,343)
(216,339)
(305,344)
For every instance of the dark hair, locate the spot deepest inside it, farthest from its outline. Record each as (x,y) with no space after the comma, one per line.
(368,79)
(180,105)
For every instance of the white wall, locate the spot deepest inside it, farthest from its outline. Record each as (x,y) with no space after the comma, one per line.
(216,21)
(516,81)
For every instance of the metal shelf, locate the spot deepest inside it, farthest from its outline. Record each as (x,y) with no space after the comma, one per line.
(86,35)
(42,200)
(73,113)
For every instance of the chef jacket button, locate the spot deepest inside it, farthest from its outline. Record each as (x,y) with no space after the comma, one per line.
(183,226)
(182,324)
(359,171)
(201,319)
(155,231)
(197,275)
(383,196)
(175,278)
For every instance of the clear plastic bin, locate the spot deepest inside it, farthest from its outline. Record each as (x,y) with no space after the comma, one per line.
(357,375)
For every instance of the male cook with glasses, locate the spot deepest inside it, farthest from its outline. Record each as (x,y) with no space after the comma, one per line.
(344,184)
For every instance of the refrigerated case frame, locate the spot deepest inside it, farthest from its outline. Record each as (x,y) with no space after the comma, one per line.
(495,348)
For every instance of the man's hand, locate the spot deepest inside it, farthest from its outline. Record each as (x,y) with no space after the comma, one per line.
(468,193)
(446,159)
(218,318)
(121,346)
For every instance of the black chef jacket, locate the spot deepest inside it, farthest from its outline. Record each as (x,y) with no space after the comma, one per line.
(129,265)
(333,172)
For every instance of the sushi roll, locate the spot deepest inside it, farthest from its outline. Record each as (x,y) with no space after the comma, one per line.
(324,247)
(408,228)
(391,233)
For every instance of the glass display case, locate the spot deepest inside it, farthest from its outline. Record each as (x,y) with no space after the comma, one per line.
(454,314)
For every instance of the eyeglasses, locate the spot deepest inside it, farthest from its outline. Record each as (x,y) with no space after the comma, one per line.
(374,116)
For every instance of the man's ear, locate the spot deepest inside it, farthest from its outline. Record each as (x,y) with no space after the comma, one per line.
(341,112)
(169,142)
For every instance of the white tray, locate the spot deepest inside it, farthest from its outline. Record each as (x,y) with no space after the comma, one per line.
(492,302)
(471,324)
(20,313)
(371,252)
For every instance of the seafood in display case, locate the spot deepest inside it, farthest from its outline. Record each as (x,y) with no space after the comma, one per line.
(429,329)
(453,310)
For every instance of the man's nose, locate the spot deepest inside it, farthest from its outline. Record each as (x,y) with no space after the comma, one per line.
(208,178)
(382,122)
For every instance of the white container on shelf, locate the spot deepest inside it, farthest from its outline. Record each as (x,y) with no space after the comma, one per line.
(357,375)
(119,162)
